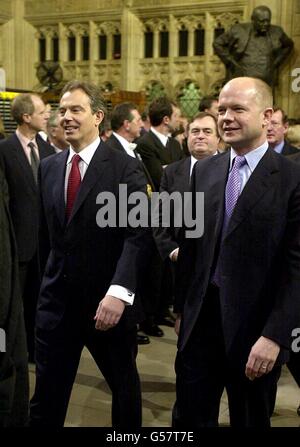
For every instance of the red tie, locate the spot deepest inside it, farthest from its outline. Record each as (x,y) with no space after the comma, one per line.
(73,184)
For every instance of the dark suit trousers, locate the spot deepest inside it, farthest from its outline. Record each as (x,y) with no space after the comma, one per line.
(57,358)
(30,284)
(203,371)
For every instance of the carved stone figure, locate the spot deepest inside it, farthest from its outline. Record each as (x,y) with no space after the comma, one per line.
(254,49)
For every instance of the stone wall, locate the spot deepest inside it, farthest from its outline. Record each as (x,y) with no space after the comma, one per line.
(24,22)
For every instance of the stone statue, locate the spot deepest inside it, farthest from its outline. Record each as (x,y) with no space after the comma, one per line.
(254,49)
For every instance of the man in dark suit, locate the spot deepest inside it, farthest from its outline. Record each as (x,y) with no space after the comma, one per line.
(294,362)
(203,141)
(156,147)
(92,265)
(14,383)
(238,289)
(276,133)
(19,157)
(126,125)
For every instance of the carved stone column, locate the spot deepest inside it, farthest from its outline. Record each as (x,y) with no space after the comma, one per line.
(131,39)
(63,43)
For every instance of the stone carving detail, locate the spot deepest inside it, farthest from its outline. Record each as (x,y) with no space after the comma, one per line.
(83,72)
(78,29)
(108,28)
(47,31)
(42,7)
(5,11)
(69,71)
(190,22)
(108,72)
(156,24)
(226,19)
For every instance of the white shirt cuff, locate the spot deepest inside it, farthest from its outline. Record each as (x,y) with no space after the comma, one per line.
(122,293)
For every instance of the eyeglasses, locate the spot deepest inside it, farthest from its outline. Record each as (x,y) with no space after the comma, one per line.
(275,125)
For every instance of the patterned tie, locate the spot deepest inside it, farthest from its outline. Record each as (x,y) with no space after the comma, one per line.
(232,192)
(34,161)
(233,188)
(74,182)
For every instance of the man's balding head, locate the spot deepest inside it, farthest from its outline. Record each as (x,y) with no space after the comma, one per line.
(245,108)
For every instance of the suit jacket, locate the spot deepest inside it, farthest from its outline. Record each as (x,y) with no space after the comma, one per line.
(259,257)
(288,149)
(114,143)
(230,46)
(295,157)
(23,193)
(14,386)
(85,259)
(155,155)
(176,178)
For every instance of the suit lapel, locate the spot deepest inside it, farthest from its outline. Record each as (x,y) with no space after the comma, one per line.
(115,144)
(92,176)
(215,193)
(183,174)
(59,186)
(258,184)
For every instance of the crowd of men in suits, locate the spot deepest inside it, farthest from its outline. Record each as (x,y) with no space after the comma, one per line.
(235,287)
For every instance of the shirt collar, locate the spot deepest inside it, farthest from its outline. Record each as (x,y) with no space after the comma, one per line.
(253,157)
(279,147)
(87,153)
(24,140)
(162,138)
(125,143)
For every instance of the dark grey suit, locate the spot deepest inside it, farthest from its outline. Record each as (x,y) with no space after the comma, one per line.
(84,261)
(288,149)
(176,178)
(259,261)
(14,384)
(155,155)
(23,205)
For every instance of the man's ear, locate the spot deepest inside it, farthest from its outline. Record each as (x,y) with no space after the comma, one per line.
(267,116)
(126,124)
(166,120)
(286,128)
(99,117)
(26,118)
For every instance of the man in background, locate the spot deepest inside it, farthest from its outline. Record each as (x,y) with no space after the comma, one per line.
(14,383)
(126,125)
(203,140)
(20,155)
(209,104)
(56,135)
(276,133)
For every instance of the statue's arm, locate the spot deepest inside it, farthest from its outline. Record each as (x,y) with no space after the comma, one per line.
(286,47)
(223,46)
